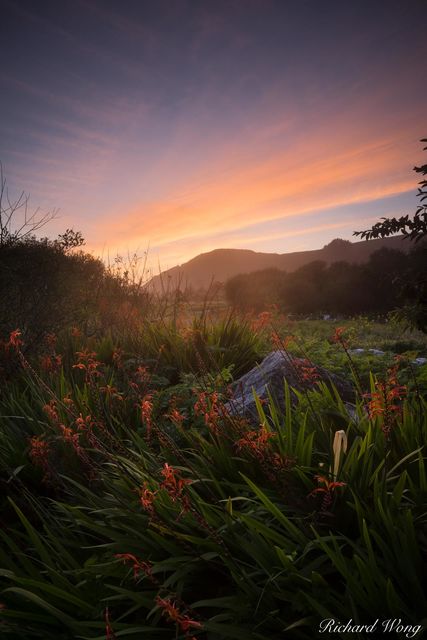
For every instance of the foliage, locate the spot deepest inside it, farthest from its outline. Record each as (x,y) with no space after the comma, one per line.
(134,507)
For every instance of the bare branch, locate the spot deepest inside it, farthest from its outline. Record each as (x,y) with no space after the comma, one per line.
(16,221)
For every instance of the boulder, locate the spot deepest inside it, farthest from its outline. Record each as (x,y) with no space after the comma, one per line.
(301,375)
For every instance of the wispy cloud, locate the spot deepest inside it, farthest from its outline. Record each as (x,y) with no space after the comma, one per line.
(291,184)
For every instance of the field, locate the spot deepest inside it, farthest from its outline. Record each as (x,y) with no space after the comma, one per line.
(134,505)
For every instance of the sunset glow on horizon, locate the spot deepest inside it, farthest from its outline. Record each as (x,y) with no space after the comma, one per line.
(188,126)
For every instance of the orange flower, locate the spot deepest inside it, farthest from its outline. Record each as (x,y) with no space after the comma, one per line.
(146,407)
(142,375)
(71,437)
(85,424)
(339,338)
(118,358)
(138,565)
(329,485)
(111,393)
(207,405)
(176,417)
(175,485)
(67,400)
(39,454)
(170,609)
(281,344)
(146,498)
(382,402)
(263,319)
(14,339)
(51,364)
(86,361)
(255,441)
(51,411)
(307,371)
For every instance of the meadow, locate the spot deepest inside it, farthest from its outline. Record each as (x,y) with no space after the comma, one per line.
(134,505)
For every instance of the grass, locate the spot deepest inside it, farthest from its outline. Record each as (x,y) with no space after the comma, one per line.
(133,506)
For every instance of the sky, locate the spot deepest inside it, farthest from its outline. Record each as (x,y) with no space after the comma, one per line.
(181,126)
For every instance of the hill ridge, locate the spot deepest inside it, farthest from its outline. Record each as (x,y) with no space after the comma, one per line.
(218,265)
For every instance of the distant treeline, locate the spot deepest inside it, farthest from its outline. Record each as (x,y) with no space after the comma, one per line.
(389,279)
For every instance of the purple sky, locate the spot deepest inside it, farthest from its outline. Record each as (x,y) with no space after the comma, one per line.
(189,125)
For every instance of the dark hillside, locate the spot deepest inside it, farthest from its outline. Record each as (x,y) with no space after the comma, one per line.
(221,264)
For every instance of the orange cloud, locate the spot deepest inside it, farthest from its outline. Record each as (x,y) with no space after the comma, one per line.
(293,183)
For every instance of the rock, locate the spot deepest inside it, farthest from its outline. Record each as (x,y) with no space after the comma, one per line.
(419,361)
(356,351)
(301,375)
(377,352)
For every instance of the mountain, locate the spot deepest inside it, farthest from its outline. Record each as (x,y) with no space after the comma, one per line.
(221,264)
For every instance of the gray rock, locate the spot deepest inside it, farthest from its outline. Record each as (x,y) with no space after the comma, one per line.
(419,361)
(376,352)
(269,376)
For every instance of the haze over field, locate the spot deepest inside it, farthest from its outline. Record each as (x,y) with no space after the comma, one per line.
(265,124)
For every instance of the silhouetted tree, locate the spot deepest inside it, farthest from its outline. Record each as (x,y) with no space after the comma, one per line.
(302,291)
(414,228)
(340,288)
(412,283)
